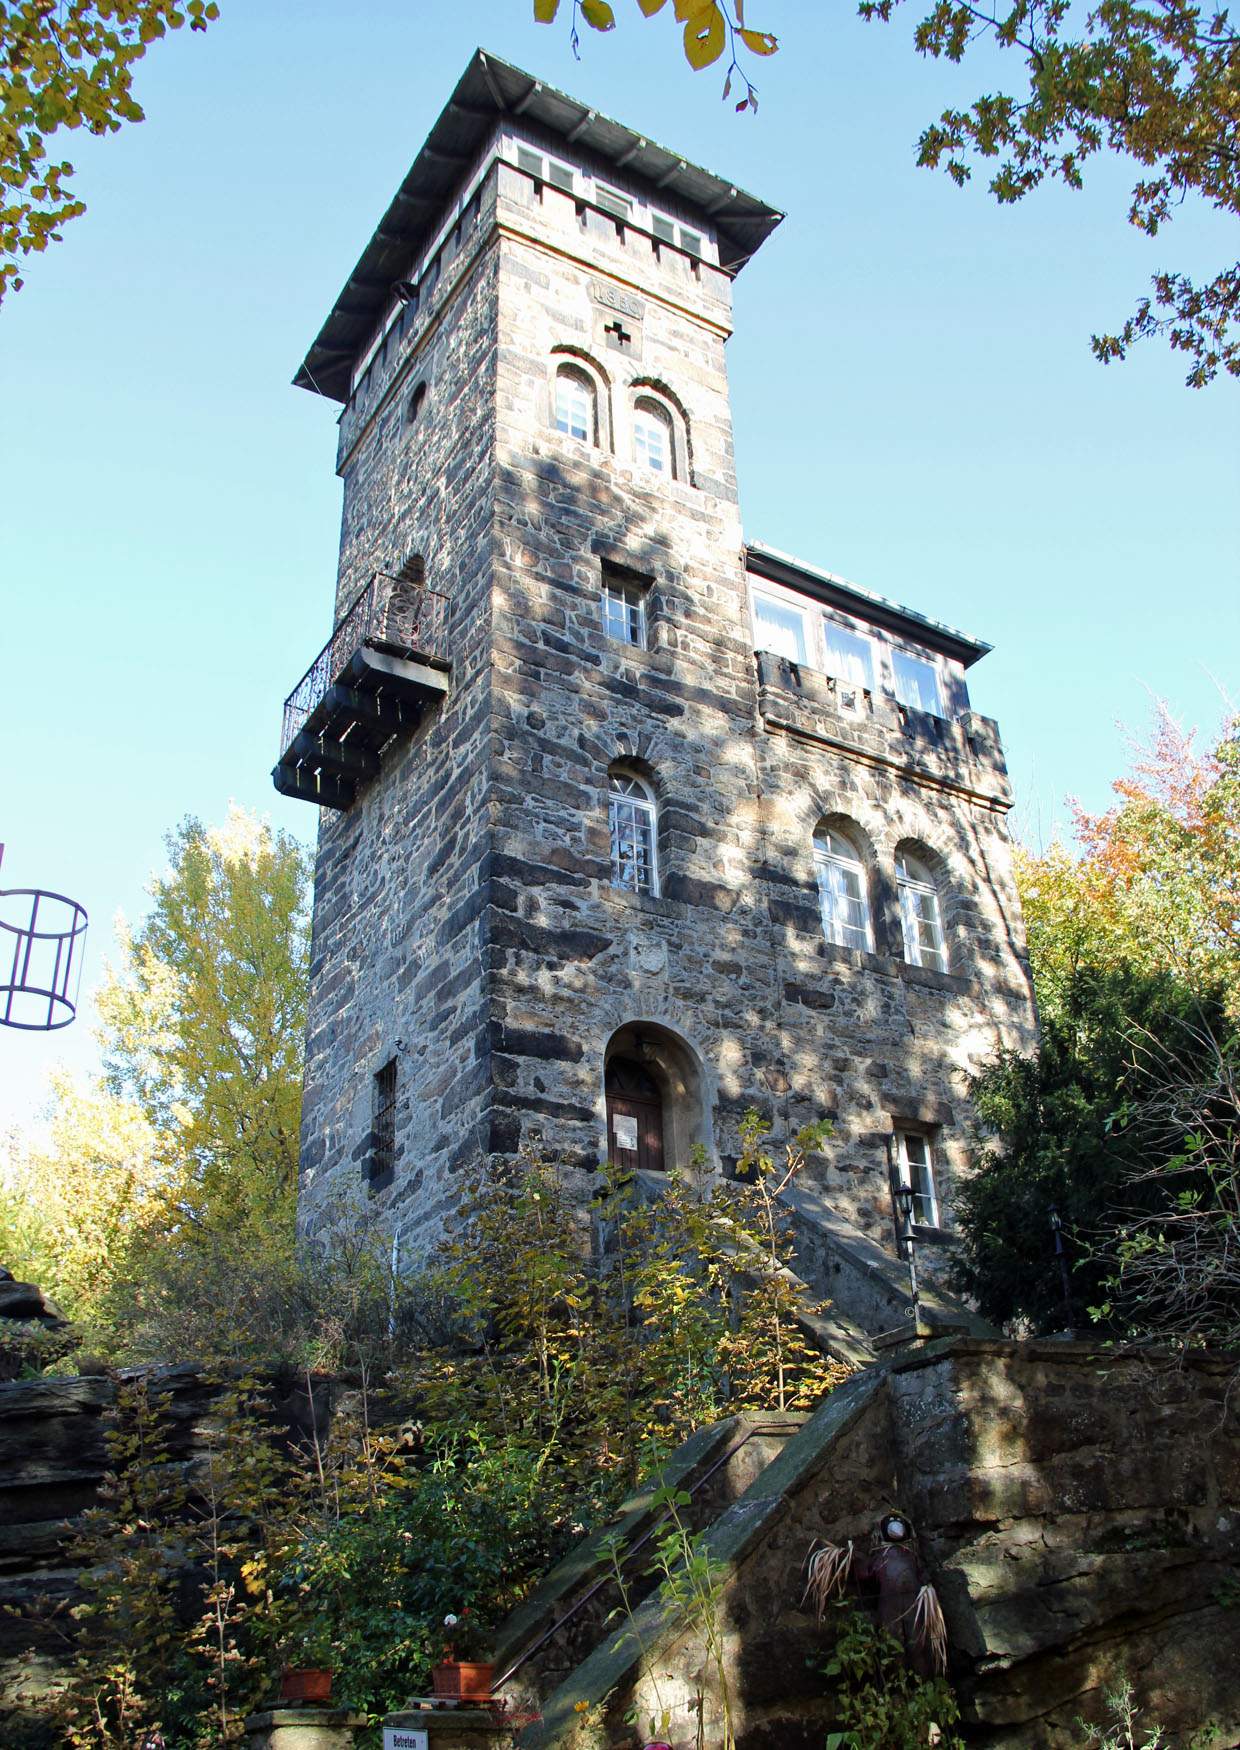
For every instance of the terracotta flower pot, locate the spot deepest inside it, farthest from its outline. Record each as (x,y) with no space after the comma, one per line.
(306,1684)
(462,1680)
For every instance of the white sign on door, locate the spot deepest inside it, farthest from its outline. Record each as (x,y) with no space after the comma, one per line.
(625,1131)
(402,1738)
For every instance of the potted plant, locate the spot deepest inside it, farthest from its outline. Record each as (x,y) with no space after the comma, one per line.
(461,1675)
(307,1673)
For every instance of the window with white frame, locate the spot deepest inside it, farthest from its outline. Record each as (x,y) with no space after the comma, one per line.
(917,683)
(847,656)
(842,890)
(633,820)
(576,404)
(624,608)
(915,1167)
(921,917)
(653,440)
(780,627)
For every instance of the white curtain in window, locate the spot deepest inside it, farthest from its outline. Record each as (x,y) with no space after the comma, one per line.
(780,628)
(842,892)
(848,656)
(920,916)
(917,685)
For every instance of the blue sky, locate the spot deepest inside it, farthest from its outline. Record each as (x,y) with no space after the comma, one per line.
(915,402)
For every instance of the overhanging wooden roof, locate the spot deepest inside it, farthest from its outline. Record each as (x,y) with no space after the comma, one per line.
(488,90)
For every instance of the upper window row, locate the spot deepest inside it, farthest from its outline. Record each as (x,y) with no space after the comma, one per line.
(652,426)
(806,635)
(612,201)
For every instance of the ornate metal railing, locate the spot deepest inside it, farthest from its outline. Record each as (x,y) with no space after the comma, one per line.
(387,614)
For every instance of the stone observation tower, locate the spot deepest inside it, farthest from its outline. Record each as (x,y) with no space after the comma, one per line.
(628,824)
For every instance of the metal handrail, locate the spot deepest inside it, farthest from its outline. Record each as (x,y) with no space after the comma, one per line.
(387,613)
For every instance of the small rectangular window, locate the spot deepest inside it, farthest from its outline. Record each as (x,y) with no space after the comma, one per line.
(612,201)
(560,175)
(530,162)
(690,242)
(624,609)
(780,628)
(848,656)
(383,1124)
(917,684)
(663,229)
(915,1165)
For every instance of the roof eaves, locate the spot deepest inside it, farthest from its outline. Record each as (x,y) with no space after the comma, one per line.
(780,567)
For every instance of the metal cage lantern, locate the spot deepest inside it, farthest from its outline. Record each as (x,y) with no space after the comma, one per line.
(41,937)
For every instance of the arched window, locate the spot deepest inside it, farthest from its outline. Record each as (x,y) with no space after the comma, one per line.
(654,437)
(842,890)
(576,404)
(416,402)
(633,818)
(921,916)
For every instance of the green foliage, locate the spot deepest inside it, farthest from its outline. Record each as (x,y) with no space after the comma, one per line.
(1120,1731)
(1071,1130)
(1152,82)
(1126,1120)
(159,1208)
(881,1703)
(66,66)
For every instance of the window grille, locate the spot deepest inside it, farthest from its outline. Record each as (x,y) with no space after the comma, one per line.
(383,1129)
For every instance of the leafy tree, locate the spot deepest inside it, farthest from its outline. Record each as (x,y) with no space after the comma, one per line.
(66,66)
(203,1019)
(163,1197)
(1124,1120)
(1155,82)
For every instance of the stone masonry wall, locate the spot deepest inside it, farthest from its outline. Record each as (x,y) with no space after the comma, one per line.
(465,920)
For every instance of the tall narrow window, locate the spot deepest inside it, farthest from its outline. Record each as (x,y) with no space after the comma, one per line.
(917,683)
(624,609)
(842,890)
(920,916)
(780,628)
(633,819)
(383,1123)
(576,404)
(915,1165)
(653,445)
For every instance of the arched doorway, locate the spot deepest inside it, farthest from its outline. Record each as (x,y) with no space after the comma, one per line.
(634,1116)
(655,1091)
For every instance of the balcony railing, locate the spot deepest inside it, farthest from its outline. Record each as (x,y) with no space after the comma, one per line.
(388,614)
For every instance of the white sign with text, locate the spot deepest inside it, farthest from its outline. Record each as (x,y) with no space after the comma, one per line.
(625,1131)
(405,1738)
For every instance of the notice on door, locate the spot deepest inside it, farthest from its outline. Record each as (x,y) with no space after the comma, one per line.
(401,1738)
(625,1131)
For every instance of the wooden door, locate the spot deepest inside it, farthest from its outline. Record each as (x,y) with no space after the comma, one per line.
(634,1117)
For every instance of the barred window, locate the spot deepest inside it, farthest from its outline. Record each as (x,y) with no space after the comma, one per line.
(633,819)
(383,1124)
(842,890)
